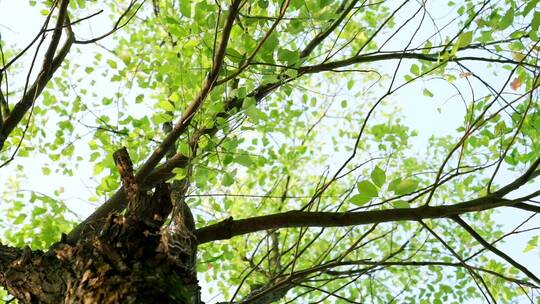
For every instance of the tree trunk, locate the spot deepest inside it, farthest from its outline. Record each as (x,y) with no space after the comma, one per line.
(132,259)
(126,263)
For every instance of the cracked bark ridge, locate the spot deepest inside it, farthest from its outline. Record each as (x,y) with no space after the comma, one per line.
(126,262)
(32,276)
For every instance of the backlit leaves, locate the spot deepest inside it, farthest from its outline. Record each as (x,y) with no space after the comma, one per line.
(367,191)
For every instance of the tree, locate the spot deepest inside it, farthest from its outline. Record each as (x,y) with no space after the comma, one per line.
(269,149)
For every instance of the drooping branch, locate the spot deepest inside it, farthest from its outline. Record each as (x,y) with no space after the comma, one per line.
(493,249)
(367,58)
(325,268)
(229,227)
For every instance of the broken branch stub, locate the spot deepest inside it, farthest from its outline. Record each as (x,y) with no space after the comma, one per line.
(150,209)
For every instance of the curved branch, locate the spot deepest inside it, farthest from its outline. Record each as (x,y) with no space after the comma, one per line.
(229,228)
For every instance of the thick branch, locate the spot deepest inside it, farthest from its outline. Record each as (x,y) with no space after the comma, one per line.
(324,268)
(329,66)
(7,255)
(118,201)
(230,228)
(527,207)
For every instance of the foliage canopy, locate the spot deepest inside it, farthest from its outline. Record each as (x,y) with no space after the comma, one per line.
(330,151)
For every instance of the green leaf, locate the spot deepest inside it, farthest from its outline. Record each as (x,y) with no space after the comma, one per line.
(507,20)
(406,186)
(185,8)
(112,63)
(535,23)
(242,92)
(185,149)
(175,97)
(378,176)
(160,118)
(464,40)
(20,219)
(530,6)
(368,189)
(254,114)
(400,204)
(359,199)
(350,84)
(166,105)
(532,244)
(228,179)
(244,160)
(179,173)
(415,69)
(291,57)
(427,93)
(171,20)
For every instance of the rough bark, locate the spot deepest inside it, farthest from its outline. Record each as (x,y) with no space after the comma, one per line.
(132,259)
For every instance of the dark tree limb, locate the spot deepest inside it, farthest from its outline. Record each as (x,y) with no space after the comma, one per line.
(118,202)
(367,58)
(229,228)
(527,207)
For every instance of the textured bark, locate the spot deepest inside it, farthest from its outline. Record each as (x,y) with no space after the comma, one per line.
(127,264)
(33,276)
(132,259)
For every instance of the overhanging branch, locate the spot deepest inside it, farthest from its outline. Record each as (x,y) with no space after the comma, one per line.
(229,227)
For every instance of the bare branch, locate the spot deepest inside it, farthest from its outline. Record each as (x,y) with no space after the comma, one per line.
(492,248)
